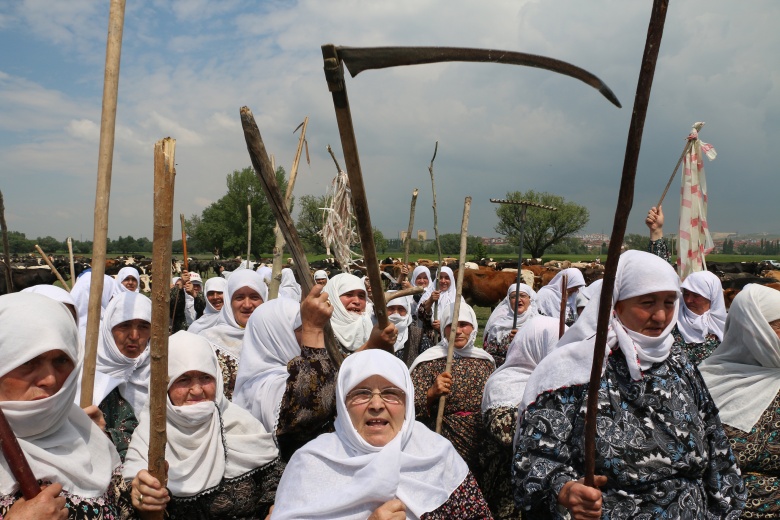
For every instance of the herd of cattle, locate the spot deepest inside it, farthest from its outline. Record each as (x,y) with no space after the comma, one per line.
(484,283)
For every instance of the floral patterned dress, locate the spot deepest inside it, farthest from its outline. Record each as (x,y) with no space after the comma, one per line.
(496,348)
(697,352)
(496,461)
(228,364)
(465,503)
(462,424)
(659,442)
(758,456)
(120,421)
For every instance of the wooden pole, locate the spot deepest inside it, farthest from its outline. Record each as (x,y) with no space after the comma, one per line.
(9,282)
(276,270)
(17,462)
(262,166)
(676,167)
(248,236)
(116,17)
(53,269)
(72,264)
(410,291)
(464,235)
(409,233)
(435,232)
(334,74)
(564,298)
(164,177)
(625,201)
(186,261)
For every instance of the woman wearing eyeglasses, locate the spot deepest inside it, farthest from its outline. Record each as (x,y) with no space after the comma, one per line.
(499,331)
(380,462)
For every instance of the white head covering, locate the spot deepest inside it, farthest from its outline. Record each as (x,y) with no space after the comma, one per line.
(586,294)
(134,373)
(59,441)
(206,441)
(289,288)
(504,388)
(469,350)
(421,269)
(57,294)
(352,330)
(126,272)
(418,467)
(401,322)
(743,374)
(694,327)
(549,296)
(80,295)
(210,314)
(265,273)
(226,334)
(569,364)
(446,298)
(499,324)
(269,344)
(320,275)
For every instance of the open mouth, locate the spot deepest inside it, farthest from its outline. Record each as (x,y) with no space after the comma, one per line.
(377,423)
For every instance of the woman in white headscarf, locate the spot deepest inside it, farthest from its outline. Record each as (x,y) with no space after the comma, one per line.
(127,280)
(320,277)
(288,287)
(743,376)
(548,298)
(661,449)
(122,388)
(407,344)
(382,462)
(222,463)
(463,385)
(66,451)
(443,297)
(80,295)
(57,294)
(503,392)
(351,323)
(702,315)
(245,292)
(215,298)
(498,330)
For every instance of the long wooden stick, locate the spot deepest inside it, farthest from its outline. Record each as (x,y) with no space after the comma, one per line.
(435,231)
(409,233)
(72,264)
(53,269)
(676,167)
(116,18)
(464,235)
(17,462)
(249,236)
(410,291)
(276,270)
(186,261)
(564,298)
(164,177)
(262,166)
(9,281)
(625,201)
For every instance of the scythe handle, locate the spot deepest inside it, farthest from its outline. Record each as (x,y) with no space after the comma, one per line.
(17,462)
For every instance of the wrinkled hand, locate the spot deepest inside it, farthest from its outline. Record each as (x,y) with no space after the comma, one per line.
(436,324)
(435,296)
(583,502)
(383,339)
(185,277)
(405,285)
(441,386)
(48,504)
(390,510)
(147,493)
(316,310)
(189,288)
(96,415)
(655,222)
(512,334)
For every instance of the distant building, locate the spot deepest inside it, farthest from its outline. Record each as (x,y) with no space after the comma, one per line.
(422,235)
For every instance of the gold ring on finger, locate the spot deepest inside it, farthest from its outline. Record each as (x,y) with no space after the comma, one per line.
(140,498)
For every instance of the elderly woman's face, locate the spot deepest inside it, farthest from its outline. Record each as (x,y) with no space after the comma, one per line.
(321,281)
(647,314)
(41,377)
(421,280)
(462,333)
(376,409)
(354,301)
(132,336)
(522,303)
(130,283)
(697,303)
(244,302)
(396,309)
(192,388)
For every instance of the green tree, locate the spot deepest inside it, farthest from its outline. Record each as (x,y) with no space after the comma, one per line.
(223,225)
(636,241)
(380,242)
(18,243)
(310,219)
(50,245)
(543,228)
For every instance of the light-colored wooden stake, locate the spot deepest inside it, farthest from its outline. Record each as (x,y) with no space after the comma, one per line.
(6,248)
(464,235)
(186,262)
(116,18)
(248,236)
(72,264)
(53,269)
(409,234)
(435,232)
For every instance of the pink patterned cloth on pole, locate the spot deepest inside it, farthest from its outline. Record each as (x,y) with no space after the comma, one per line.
(694,240)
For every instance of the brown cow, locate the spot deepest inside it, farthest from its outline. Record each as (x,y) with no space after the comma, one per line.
(486,288)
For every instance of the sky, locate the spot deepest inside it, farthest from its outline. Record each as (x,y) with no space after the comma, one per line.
(187,67)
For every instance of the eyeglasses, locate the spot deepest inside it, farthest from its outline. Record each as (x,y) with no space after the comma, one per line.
(523,296)
(364,395)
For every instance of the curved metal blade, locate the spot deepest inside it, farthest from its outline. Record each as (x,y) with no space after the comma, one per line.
(358,59)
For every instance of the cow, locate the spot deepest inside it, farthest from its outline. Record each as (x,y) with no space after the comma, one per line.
(485,287)
(24,277)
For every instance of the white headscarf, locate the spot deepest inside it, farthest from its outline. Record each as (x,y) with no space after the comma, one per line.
(694,327)
(226,335)
(549,296)
(269,344)
(421,269)
(499,325)
(207,441)
(134,373)
(320,275)
(289,288)
(401,322)
(586,294)
(210,314)
(446,298)
(352,330)
(59,441)
(265,273)
(743,374)
(418,467)
(55,293)
(569,364)
(80,295)
(505,386)
(469,350)
(126,272)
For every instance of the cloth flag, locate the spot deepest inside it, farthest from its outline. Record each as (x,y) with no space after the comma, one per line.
(694,240)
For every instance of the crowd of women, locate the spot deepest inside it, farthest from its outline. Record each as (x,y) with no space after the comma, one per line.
(263,422)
